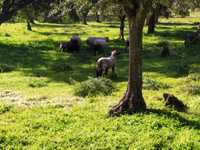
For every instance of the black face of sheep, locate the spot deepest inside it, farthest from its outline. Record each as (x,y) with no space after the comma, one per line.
(64,46)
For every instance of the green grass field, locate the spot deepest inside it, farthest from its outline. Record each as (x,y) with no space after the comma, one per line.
(39,110)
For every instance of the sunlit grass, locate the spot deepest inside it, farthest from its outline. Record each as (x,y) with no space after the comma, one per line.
(65,121)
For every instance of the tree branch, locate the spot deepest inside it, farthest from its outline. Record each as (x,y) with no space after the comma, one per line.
(10,7)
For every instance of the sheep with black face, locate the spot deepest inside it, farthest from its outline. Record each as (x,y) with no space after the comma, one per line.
(71,46)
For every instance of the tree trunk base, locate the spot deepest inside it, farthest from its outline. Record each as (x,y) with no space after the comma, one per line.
(129,104)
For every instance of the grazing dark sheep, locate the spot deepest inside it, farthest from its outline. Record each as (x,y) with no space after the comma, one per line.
(97,43)
(165,52)
(75,43)
(172,101)
(103,64)
(71,46)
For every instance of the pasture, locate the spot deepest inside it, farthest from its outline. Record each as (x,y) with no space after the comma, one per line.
(39,108)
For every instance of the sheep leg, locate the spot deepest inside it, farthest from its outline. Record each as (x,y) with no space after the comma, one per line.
(106,71)
(99,72)
(113,69)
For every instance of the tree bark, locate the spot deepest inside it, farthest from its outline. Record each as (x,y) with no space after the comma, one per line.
(133,100)
(122,26)
(10,8)
(29,28)
(97,17)
(85,20)
(152,23)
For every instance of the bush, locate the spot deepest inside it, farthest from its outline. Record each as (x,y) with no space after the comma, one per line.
(40,72)
(4,108)
(94,87)
(150,84)
(61,67)
(192,89)
(38,83)
(182,69)
(6,68)
(194,77)
(194,69)
(7,35)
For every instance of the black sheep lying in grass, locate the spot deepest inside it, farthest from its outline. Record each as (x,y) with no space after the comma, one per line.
(172,101)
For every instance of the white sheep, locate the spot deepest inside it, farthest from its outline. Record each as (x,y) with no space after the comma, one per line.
(97,43)
(103,64)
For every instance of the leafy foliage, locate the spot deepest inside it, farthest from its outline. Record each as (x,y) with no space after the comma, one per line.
(4,108)
(94,87)
(150,84)
(192,89)
(38,83)
(6,68)
(61,67)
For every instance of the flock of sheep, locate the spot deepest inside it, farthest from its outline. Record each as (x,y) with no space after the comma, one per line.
(99,44)
(96,44)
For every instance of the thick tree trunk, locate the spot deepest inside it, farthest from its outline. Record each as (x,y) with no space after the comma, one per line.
(122,26)
(85,20)
(97,17)
(147,19)
(133,100)
(73,15)
(9,9)
(152,23)
(29,28)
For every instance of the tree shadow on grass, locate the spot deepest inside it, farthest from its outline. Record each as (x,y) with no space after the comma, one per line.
(175,24)
(37,58)
(175,116)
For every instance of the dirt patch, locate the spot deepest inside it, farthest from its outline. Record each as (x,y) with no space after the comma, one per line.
(65,101)
(15,98)
(10,96)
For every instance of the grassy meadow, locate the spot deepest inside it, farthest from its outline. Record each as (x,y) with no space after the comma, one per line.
(39,110)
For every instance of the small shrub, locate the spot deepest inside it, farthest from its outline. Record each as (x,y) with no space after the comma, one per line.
(6,68)
(192,89)
(7,35)
(194,77)
(95,86)
(182,69)
(38,83)
(194,69)
(150,84)
(62,67)
(40,73)
(4,108)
